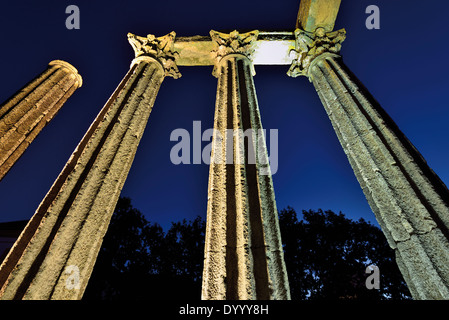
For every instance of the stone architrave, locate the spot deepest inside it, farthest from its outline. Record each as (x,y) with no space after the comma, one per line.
(408,199)
(313,14)
(26,113)
(55,254)
(243,250)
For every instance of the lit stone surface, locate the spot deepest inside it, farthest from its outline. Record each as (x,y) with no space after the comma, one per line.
(409,200)
(68,227)
(315,14)
(270,48)
(243,251)
(25,114)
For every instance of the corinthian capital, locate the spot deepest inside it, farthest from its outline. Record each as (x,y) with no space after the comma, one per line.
(233,43)
(311,45)
(160,48)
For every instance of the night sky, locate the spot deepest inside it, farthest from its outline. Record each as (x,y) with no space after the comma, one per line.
(403,65)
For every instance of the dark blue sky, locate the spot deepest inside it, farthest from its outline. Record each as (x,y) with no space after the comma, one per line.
(403,65)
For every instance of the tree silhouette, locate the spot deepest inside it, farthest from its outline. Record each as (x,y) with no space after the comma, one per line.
(139,261)
(326,256)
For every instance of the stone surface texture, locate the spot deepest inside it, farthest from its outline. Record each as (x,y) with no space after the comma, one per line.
(243,251)
(26,113)
(408,199)
(66,232)
(315,14)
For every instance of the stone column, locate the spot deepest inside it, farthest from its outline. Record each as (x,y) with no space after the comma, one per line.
(243,249)
(55,254)
(24,115)
(410,202)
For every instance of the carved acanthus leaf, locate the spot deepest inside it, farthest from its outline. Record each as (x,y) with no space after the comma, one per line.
(233,43)
(161,49)
(310,45)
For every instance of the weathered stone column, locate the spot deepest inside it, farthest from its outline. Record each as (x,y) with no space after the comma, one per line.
(243,250)
(409,200)
(55,254)
(26,113)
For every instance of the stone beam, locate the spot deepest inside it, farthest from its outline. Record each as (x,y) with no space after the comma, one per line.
(315,14)
(271,48)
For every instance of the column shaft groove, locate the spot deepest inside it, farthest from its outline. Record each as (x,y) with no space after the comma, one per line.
(242,261)
(68,227)
(409,200)
(25,114)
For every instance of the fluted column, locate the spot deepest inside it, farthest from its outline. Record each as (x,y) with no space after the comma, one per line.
(55,254)
(243,250)
(410,202)
(26,113)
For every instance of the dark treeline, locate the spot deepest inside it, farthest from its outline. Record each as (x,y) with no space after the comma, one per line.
(326,256)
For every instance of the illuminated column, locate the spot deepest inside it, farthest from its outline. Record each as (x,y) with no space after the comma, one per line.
(243,250)
(55,254)
(409,200)
(25,114)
